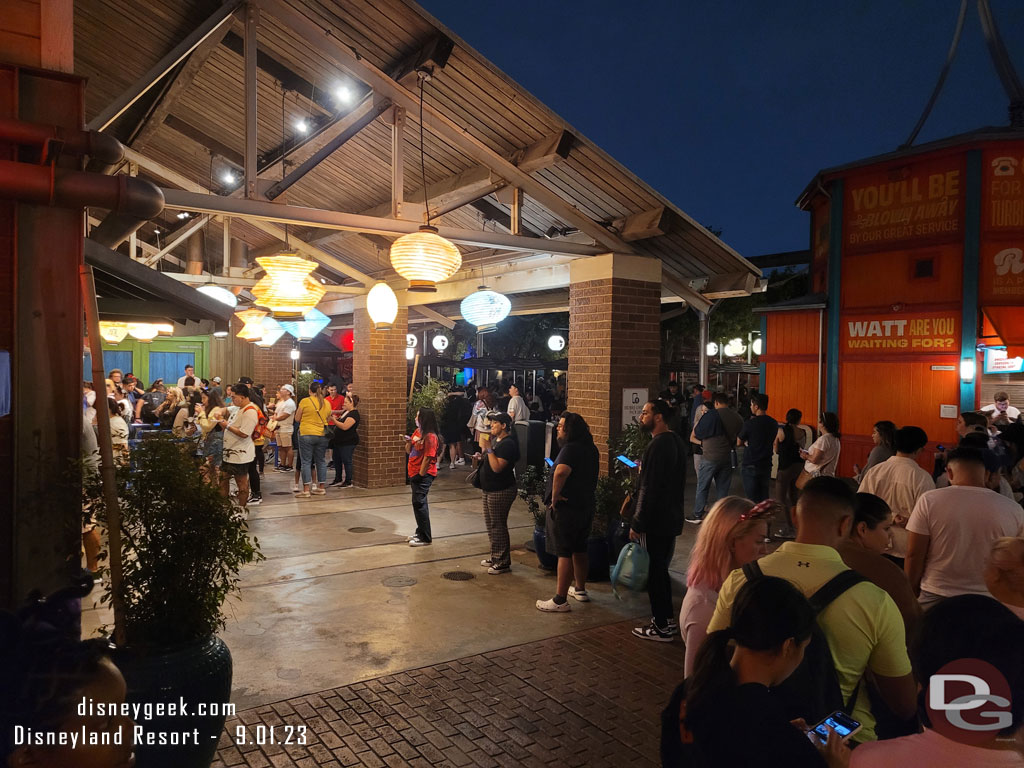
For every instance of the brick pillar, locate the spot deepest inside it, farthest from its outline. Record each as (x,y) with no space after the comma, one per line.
(272,365)
(614,338)
(380,378)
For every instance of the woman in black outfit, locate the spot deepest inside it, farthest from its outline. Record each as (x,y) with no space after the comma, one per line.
(787,446)
(730,710)
(346,438)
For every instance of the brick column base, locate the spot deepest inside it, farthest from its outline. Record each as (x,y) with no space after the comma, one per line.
(272,366)
(614,339)
(380,378)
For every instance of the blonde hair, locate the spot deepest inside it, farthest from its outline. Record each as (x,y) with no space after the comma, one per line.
(1007,557)
(711,558)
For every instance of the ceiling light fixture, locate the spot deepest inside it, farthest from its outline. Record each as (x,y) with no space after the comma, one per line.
(220,293)
(485,309)
(287,289)
(252,329)
(382,306)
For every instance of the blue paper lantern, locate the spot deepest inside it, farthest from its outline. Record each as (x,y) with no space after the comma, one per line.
(308,327)
(485,309)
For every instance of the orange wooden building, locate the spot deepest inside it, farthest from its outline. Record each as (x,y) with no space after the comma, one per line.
(917,269)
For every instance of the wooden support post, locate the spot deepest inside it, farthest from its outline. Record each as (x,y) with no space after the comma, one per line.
(133,238)
(225,267)
(397,161)
(252,21)
(107,472)
(517,210)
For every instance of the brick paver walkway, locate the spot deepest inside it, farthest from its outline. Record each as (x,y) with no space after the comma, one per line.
(592,698)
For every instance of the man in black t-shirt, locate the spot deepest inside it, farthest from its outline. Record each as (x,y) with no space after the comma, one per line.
(758,435)
(571,507)
(498,482)
(658,515)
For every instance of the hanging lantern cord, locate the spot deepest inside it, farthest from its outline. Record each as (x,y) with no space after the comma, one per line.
(423,76)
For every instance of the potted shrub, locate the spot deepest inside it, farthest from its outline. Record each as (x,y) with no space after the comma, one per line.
(631,443)
(182,546)
(531,487)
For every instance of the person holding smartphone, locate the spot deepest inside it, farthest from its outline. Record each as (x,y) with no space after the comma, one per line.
(730,710)
(498,483)
(423,448)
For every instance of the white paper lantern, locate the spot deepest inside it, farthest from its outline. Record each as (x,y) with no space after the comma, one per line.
(712,349)
(735,347)
(382,306)
(143,331)
(439,342)
(410,353)
(485,309)
(556,343)
(410,340)
(425,258)
(758,346)
(221,294)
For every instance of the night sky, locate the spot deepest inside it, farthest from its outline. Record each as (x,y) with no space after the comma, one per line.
(729,108)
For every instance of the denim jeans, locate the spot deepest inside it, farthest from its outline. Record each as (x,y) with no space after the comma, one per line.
(343,459)
(756,481)
(313,450)
(420,489)
(721,474)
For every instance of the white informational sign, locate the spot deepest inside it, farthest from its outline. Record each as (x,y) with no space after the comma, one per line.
(948,411)
(633,399)
(996,361)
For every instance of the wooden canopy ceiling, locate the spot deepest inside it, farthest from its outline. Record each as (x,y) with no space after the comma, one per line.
(190,127)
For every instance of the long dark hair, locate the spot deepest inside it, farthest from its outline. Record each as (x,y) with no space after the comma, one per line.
(766,612)
(195,398)
(576,428)
(428,421)
(831,423)
(887,431)
(214,398)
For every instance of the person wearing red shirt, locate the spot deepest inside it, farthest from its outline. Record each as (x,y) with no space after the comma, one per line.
(423,448)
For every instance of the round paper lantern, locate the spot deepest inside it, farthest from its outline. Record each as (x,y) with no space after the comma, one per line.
(410,353)
(410,340)
(439,342)
(221,294)
(556,343)
(253,328)
(308,327)
(272,331)
(143,331)
(485,309)
(758,346)
(287,290)
(382,306)
(425,258)
(712,349)
(113,333)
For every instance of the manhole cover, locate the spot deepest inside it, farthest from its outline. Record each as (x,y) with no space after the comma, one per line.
(398,581)
(361,529)
(457,575)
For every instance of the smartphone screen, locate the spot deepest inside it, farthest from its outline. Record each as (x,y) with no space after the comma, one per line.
(549,462)
(844,726)
(627,461)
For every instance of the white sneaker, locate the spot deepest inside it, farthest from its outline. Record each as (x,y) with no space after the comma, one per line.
(580,595)
(550,606)
(415,541)
(451,465)
(460,462)
(498,571)
(486,563)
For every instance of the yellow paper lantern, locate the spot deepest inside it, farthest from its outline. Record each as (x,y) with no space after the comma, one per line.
(287,289)
(253,328)
(113,333)
(425,258)
(382,306)
(145,332)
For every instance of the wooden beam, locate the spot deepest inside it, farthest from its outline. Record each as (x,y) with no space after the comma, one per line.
(639,226)
(220,17)
(252,22)
(181,82)
(178,238)
(289,79)
(320,39)
(206,279)
(679,287)
(206,141)
(730,286)
(437,317)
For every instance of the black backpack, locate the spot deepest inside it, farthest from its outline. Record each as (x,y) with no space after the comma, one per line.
(812,691)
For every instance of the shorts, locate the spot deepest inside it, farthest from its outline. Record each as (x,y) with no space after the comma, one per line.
(452,434)
(284,436)
(235,470)
(568,531)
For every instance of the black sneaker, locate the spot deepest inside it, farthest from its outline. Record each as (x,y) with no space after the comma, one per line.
(255,501)
(652,632)
(695,520)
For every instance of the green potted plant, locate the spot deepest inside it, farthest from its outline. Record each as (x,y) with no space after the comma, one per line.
(532,484)
(433,394)
(631,443)
(182,546)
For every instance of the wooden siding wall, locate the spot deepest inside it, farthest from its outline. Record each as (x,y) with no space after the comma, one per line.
(38,33)
(791,357)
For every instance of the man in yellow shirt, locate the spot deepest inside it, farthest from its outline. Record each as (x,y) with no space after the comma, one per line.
(862,626)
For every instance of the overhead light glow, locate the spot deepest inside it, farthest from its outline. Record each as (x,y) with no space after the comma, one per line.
(343,94)
(143,331)
(301,126)
(220,334)
(556,343)
(410,353)
(712,349)
(252,330)
(228,177)
(287,290)
(968,368)
(735,347)
(410,340)
(382,306)
(424,258)
(440,342)
(758,345)
(221,294)
(113,333)
(182,215)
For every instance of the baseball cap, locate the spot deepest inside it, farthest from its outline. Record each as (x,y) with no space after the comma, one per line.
(215,379)
(289,387)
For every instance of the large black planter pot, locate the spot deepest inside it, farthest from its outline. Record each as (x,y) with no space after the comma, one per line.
(198,674)
(547,561)
(597,560)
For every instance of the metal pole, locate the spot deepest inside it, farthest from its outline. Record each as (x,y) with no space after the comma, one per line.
(252,21)
(821,323)
(107,471)
(702,352)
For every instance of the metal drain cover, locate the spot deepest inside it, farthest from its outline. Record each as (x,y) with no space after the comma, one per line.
(361,529)
(457,575)
(398,581)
